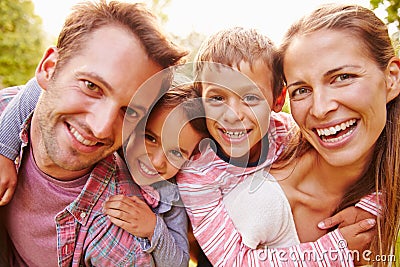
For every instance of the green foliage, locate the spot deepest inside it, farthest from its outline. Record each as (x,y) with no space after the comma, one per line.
(392,9)
(21,42)
(157,7)
(191,42)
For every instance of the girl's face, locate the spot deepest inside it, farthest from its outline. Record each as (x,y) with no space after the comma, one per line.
(338,95)
(167,142)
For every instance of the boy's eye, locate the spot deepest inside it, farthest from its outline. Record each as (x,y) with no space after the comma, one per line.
(250,99)
(91,86)
(176,153)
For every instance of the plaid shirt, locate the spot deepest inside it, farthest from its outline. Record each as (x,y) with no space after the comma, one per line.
(85,236)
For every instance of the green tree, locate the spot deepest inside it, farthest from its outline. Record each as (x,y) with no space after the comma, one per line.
(392,9)
(21,44)
(157,7)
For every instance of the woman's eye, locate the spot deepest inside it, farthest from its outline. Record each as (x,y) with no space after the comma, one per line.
(91,86)
(299,92)
(343,77)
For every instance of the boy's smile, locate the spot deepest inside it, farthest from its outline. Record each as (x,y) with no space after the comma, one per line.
(237,106)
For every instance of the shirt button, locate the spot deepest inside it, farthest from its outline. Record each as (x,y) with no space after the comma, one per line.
(83,215)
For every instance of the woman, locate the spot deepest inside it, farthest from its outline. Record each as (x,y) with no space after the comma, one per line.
(343,81)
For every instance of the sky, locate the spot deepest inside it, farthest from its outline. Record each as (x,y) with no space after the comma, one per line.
(207,16)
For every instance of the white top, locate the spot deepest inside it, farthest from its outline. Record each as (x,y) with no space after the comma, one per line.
(261,212)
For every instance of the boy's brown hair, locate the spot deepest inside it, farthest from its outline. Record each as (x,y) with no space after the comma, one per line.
(232,46)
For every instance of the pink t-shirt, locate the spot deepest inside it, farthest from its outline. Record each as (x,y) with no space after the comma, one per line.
(30,215)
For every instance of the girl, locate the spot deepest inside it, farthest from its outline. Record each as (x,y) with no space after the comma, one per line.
(154,157)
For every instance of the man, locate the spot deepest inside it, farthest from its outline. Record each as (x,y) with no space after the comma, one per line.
(69,166)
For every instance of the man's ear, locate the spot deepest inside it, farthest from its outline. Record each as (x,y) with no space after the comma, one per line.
(393,79)
(46,67)
(280,101)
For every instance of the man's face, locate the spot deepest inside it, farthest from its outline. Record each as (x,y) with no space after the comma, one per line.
(78,120)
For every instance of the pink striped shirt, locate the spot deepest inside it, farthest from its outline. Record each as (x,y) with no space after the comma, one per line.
(202,184)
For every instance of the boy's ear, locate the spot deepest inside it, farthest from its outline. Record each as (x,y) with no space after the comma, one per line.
(46,67)
(280,101)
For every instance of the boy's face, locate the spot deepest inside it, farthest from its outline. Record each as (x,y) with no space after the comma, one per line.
(237,107)
(167,142)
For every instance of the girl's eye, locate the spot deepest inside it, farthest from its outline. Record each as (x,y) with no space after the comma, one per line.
(215,99)
(91,86)
(150,138)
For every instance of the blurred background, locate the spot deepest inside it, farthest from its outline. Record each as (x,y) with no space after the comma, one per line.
(27,27)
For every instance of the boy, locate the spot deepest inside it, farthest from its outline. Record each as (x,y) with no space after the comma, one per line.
(235,76)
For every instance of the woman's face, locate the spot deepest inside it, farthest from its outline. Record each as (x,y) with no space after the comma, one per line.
(338,95)
(167,142)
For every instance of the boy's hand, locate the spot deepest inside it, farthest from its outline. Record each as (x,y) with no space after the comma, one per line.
(8,179)
(131,214)
(356,226)
(345,217)
(358,237)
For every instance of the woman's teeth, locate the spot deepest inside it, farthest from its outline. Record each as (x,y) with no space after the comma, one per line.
(335,129)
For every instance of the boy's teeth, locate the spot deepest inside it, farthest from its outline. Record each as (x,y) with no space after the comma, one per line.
(334,129)
(80,138)
(234,134)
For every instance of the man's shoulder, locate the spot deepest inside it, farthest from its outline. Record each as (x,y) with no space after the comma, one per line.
(115,164)
(113,167)
(7,94)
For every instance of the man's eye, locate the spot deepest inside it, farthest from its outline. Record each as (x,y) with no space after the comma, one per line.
(131,113)
(91,86)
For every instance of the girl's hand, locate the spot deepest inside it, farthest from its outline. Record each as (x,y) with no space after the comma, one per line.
(131,214)
(8,179)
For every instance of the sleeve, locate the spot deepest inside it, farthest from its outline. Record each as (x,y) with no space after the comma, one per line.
(13,117)
(170,245)
(220,241)
(371,203)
